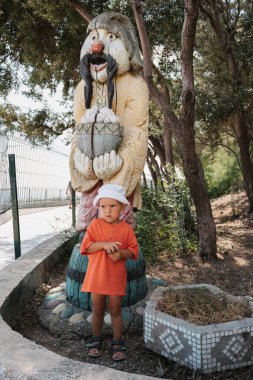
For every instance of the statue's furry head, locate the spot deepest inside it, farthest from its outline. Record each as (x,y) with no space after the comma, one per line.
(121,26)
(111,48)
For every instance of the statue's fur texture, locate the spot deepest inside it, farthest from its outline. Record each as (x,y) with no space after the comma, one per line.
(112,74)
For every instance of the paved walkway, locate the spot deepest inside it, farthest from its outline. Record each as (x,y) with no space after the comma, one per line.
(34,229)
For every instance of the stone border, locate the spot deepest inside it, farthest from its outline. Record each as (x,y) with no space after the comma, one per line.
(211,348)
(22,359)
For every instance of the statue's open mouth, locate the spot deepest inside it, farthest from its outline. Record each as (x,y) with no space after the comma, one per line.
(98,61)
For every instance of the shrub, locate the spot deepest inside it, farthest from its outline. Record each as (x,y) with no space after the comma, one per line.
(161,225)
(222,173)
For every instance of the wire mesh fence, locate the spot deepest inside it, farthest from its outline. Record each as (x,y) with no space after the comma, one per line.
(42,177)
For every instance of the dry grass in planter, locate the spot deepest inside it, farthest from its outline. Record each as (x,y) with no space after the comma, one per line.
(201,307)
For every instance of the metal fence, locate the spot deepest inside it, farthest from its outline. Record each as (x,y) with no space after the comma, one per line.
(42,177)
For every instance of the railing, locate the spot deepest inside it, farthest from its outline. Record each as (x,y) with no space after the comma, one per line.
(32,179)
(35,197)
(32,199)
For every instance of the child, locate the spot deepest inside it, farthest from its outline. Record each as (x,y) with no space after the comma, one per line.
(108,242)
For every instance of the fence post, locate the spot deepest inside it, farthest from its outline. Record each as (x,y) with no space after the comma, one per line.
(14,205)
(73,202)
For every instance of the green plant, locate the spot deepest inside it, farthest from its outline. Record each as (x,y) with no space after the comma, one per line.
(222,173)
(162,223)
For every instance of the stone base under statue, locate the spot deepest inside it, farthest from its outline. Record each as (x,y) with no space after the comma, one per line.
(60,317)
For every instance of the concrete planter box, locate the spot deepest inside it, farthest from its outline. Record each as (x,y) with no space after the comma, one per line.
(210,348)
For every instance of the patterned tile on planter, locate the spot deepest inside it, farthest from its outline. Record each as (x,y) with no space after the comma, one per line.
(209,348)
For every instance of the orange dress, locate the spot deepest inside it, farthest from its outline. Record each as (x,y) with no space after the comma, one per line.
(103,275)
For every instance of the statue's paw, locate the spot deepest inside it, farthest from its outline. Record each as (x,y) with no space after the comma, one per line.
(83,164)
(106,115)
(89,115)
(107,164)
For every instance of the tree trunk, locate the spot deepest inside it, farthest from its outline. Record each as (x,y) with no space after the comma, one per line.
(205,224)
(158,148)
(183,130)
(144,179)
(156,173)
(243,141)
(152,172)
(192,165)
(167,142)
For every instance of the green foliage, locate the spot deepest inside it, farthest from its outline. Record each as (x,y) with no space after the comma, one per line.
(161,224)
(224,89)
(222,172)
(45,38)
(39,127)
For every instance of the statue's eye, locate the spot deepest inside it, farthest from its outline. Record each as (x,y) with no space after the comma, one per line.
(111,37)
(94,38)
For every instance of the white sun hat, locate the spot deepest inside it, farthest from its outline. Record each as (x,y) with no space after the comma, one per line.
(112,191)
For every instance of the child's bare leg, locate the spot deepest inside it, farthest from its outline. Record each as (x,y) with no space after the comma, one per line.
(98,309)
(115,305)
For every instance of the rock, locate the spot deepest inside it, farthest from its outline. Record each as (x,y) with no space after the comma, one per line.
(45,316)
(75,318)
(127,316)
(140,311)
(60,308)
(53,303)
(57,326)
(67,313)
(58,289)
(136,326)
(158,282)
(89,318)
(53,296)
(108,319)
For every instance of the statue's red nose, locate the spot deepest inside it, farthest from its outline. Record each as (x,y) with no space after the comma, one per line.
(97,47)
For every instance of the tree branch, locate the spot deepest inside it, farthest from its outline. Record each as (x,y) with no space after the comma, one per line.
(187,43)
(159,149)
(154,167)
(222,35)
(159,97)
(136,7)
(77,7)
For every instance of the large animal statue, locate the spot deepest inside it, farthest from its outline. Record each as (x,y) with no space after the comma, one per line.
(111,108)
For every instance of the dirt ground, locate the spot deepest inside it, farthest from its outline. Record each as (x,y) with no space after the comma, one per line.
(232,272)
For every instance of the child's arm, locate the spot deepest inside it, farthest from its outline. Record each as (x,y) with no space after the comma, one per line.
(109,247)
(121,254)
(131,252)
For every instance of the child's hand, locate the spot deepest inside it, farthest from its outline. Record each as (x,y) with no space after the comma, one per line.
(121,254)
(111,247)
(115,256)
